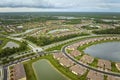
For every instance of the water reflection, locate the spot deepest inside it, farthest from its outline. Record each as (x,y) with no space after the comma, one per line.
(108,51)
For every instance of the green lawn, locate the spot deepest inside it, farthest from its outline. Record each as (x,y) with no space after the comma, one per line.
(69,51)
(79,57)
(29,70)
(56,47)
(94,63)
(114,68)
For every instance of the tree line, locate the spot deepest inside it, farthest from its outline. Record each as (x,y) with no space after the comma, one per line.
(9,51)
(43,40)
(108,31)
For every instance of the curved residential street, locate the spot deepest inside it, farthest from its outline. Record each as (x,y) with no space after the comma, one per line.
(87,66)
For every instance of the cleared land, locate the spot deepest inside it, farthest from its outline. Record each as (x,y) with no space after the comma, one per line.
(43,68)
(11,44)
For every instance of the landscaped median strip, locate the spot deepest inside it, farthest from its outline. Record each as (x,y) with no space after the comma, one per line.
(59,45)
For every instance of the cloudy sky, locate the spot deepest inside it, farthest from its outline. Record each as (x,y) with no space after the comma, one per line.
(60,5)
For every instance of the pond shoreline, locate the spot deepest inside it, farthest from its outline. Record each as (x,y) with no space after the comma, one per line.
(51,66)
(82,48)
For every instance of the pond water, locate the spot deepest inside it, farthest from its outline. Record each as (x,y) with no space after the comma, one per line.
(107,51)
(45,71)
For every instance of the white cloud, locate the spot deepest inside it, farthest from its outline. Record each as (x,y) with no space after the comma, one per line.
(48,3)
(59,5)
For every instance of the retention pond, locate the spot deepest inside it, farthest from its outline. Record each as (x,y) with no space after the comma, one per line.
(45,71)
(108,51)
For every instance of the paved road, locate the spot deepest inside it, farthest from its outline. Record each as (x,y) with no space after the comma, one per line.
(5,67)
(5,73)
(34,47)
(65,41)
(86,66)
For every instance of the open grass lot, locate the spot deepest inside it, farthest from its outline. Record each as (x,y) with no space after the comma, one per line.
(30,72)
(43,68)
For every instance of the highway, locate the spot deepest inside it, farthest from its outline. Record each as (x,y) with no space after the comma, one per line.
(87,66)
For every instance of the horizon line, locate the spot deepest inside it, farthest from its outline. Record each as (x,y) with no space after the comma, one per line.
(61,12)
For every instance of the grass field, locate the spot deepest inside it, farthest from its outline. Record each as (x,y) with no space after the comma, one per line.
(43,68)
